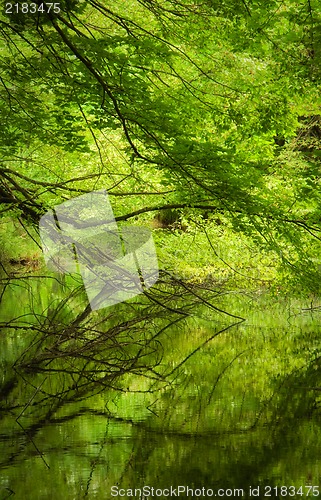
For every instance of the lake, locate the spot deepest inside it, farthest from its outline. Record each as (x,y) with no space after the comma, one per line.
(134,403)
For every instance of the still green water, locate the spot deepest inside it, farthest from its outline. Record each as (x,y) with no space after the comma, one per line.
(238,419)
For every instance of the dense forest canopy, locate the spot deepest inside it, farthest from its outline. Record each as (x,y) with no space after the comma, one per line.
(211,107)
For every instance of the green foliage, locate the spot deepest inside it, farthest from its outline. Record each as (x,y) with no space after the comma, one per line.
(216,103)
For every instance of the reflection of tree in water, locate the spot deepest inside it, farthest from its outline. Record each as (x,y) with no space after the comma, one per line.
(213,460)
(70,353)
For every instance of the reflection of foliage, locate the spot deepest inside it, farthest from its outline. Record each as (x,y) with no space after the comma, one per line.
(69,353)
(192,385)
(86,353)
